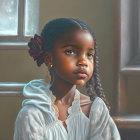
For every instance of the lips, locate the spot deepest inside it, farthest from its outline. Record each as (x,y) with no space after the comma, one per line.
(81,73)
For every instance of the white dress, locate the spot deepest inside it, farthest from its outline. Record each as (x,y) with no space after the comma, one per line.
(37,121)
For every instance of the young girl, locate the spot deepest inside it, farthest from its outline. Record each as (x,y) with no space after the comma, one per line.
(55,109)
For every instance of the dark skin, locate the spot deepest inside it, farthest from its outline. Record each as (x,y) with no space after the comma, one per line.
(72,60)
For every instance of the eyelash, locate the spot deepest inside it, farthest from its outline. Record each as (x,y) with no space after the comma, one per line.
(68,52)
(91,54)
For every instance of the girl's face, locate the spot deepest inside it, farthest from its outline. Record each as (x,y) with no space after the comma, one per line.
(72,57)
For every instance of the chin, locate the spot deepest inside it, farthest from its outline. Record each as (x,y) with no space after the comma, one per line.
(80,83)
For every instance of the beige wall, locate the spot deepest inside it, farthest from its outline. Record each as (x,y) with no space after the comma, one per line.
(18,66)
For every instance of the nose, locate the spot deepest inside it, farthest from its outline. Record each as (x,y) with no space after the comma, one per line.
(82,62)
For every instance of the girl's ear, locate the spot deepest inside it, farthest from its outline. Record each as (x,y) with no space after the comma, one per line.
(48,59)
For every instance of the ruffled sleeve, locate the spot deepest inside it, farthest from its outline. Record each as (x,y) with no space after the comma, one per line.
(102,126)
(37,93)
(29,125)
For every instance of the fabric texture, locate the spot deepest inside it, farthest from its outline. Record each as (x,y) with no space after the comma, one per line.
(37,121)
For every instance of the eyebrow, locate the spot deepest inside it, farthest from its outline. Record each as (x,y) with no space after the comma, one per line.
(75,46)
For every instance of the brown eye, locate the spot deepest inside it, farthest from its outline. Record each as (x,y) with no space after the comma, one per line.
(70,52)
(90,55)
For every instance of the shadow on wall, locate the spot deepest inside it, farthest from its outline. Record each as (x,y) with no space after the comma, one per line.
(130,134)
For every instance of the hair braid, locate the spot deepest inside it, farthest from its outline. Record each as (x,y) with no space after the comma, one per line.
(96,89)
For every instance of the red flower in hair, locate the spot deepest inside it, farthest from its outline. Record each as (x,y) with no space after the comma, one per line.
(35,49)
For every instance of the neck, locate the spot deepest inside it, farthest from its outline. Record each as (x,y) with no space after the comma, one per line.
(63,91)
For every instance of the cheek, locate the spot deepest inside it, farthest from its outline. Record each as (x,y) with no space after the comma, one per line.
(64,65)
(91,68)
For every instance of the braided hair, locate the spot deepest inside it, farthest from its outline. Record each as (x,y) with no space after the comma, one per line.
(58,27)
